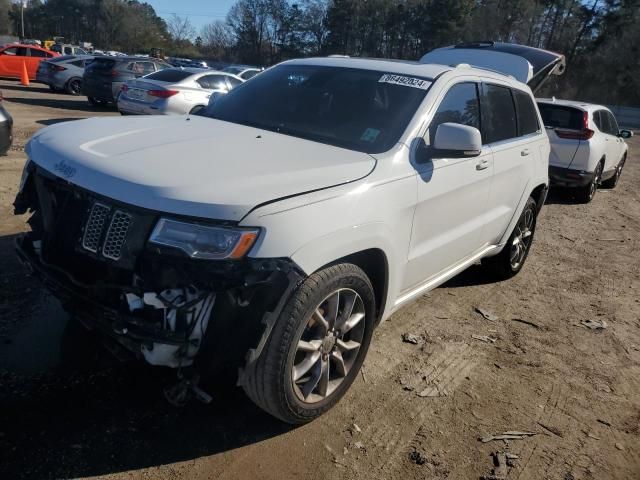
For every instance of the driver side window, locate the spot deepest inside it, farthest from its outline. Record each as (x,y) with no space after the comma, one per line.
(460,105)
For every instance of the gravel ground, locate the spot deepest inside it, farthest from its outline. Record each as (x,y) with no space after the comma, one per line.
(67,410)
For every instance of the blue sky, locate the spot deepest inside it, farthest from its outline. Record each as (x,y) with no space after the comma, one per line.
(200,12)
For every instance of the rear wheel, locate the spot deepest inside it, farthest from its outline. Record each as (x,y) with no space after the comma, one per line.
(512,257)
(613,181)
(317,346)
(94,102)
(585,194)
(196,110)
(74,86)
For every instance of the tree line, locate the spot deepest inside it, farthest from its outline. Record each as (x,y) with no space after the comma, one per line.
(600,38)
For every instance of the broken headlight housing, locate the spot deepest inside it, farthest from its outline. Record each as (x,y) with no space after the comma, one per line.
(204,241)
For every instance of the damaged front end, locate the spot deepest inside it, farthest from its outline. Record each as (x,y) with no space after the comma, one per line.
(151,301)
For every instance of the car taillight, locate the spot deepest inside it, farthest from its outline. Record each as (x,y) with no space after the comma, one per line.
(585,134)
(162,93)
(114,73)
(59,68)
(125,88)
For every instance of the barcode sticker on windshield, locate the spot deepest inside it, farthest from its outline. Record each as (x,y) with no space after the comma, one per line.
(405,81)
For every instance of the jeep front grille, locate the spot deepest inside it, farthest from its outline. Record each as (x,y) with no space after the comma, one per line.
(111,243)
(95,224)
(116,235)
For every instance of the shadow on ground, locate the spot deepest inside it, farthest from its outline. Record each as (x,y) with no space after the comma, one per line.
(63,103)
(53,121)
(68,409)
(31,88)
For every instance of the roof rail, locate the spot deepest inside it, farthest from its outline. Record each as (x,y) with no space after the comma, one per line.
(339,56)
(466,65)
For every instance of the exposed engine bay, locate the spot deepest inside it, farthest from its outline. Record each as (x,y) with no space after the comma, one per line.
(148,301)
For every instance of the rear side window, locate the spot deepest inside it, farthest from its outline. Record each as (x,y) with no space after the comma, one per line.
(78,63)
(37,53)
(527,115)
(102,64)
(141,68)
(249,74)
(460,105)
(612,123)
(170,75)
(498,114)
(213,82)
(558,116)
(233,82)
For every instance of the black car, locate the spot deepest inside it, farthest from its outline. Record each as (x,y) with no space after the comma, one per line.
(103,77)
(6,129)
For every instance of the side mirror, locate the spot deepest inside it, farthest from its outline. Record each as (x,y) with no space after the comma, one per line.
(625,134)
(453,140)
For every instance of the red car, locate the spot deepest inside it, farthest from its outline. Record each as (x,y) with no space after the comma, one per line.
(12,56)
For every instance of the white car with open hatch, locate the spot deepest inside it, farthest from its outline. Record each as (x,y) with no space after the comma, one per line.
(276,231)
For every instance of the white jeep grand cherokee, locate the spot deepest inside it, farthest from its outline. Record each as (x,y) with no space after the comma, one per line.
(311,204)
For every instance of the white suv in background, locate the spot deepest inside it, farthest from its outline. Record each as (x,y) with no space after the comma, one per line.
(587,146)
(280,228)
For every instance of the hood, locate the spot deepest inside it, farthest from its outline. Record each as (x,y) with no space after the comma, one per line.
(191,166)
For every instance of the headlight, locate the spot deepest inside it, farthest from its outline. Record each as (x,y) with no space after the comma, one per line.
(202,241)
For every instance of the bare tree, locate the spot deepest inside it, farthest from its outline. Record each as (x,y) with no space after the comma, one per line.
(217,37)
(180,28)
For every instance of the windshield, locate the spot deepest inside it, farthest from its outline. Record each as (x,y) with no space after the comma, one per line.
(361,110)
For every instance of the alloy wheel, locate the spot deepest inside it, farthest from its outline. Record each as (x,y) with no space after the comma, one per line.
(593,186)
(328,346)
(522,238)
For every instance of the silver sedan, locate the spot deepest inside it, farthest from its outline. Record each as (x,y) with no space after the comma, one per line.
(174,91)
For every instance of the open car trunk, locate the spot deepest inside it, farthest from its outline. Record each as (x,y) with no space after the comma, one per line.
(527,64)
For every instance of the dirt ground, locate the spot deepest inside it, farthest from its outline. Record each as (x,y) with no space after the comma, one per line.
(68,410)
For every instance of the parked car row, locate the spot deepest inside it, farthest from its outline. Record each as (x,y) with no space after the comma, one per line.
(174,91)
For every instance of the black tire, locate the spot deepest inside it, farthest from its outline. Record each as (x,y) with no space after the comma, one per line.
(52,88)
(94,102)
(585,194)
(613,181)
(503,266)
(196,110)
(270,383)
(74,86)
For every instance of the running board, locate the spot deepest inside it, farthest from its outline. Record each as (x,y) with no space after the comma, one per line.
(444,276)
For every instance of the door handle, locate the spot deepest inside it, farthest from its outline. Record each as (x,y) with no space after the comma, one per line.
(524,152)
(482,165)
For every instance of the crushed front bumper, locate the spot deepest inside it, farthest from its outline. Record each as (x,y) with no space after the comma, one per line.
(567,177)
(227,310)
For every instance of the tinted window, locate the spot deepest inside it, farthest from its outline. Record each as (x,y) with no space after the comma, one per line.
(233,82)
(460,105)
(498,114)
(558,116)
(37,53)
(611,123)
(68,51)
(358,109)
(249,74)
(597,119)
(78,63)
(143,68)
(10,51)
(170,75)
(213,82)
(527,115)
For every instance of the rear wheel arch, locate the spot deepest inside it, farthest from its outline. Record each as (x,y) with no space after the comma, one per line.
(539,195)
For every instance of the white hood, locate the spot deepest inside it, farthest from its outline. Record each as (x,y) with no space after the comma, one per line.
(192,166)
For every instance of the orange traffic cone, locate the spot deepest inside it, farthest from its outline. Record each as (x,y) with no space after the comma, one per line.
(24,77)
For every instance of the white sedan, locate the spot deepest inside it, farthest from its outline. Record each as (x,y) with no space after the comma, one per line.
(174,91)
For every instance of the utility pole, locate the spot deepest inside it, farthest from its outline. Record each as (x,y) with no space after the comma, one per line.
(22,2)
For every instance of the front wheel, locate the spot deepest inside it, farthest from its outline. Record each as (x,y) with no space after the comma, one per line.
(511,259)
(317,346)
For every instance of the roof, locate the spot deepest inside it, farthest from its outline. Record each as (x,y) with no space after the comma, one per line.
(572,103)
(425,70)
